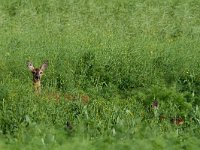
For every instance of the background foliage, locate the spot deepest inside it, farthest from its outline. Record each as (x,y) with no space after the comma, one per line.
(118,55)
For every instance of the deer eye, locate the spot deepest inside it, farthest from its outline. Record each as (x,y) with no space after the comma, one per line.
(41,72)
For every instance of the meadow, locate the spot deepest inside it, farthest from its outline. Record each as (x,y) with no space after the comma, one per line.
(108,62)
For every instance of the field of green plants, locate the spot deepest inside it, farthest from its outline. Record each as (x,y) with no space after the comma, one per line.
(111,62)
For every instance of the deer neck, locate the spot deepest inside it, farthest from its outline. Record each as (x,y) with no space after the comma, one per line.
(37,86)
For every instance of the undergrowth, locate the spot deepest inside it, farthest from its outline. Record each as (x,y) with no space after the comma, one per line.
(110,62)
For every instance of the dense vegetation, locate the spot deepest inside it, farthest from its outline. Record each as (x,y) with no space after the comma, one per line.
(108,62)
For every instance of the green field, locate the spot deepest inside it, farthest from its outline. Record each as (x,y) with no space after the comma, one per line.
(120,55)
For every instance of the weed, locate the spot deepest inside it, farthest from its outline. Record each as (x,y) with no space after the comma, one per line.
(120,74)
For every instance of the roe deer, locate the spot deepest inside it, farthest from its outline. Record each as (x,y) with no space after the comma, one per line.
(37,74)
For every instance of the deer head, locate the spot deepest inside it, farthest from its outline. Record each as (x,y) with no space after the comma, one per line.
(37,74)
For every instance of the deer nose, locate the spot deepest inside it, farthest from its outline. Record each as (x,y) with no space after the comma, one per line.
(37,77)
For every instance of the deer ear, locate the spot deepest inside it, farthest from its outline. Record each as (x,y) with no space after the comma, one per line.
(30,65)
(44,65)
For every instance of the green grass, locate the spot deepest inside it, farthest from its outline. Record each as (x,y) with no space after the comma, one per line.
(122,54)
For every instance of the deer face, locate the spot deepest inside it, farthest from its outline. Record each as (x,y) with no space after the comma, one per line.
(37,72)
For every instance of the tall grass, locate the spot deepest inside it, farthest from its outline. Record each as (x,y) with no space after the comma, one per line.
(120,54)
